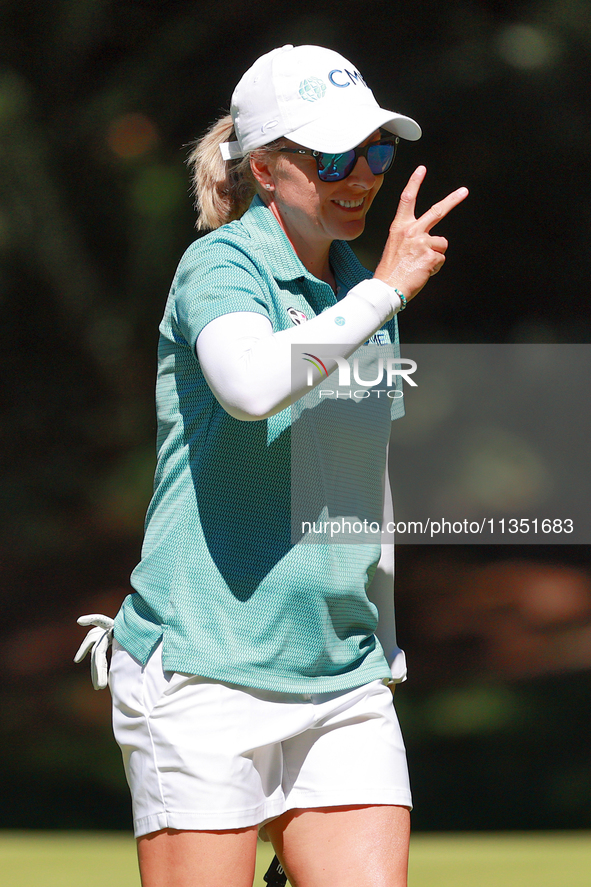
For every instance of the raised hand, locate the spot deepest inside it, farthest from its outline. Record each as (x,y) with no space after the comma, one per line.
(412,254)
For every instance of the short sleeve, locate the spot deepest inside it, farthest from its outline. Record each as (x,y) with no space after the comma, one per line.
(213,279)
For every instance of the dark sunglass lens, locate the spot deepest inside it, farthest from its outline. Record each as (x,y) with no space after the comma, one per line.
(334,167)
(380,157)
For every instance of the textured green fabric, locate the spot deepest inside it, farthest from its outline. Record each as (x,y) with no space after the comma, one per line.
(220,580)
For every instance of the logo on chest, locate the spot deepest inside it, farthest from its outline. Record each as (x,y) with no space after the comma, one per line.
(296,317)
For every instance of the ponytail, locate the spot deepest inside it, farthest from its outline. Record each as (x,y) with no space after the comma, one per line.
(223,189)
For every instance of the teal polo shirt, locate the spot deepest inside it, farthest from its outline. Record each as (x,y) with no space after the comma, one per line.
(222,581)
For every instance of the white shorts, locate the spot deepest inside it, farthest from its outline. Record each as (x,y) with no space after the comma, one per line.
(204,755)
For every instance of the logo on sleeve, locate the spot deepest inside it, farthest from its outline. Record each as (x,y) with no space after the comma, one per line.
(296,317)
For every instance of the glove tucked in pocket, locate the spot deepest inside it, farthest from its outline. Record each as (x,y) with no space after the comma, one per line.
(97,641)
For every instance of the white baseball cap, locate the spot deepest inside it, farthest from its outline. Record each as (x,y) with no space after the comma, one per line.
(314,96)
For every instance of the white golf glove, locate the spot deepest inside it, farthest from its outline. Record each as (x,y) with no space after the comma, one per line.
(98,640)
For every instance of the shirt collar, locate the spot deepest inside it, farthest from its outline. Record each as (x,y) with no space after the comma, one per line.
(265,230)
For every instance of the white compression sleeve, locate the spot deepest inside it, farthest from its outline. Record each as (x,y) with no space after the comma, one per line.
(248,366)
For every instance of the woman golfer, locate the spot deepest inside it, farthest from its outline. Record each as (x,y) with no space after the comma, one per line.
(252,662)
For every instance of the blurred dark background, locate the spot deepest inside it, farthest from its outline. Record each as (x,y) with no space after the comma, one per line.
(98,101)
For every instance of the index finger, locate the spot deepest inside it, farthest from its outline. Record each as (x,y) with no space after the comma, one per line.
(408,198)
(440,209)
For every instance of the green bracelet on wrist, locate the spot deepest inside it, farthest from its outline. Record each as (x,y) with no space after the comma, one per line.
(402,299)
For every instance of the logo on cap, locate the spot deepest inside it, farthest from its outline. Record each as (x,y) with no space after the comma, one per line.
(312,89)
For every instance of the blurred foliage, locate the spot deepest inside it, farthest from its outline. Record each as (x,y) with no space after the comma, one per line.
(98,101)
(495,757)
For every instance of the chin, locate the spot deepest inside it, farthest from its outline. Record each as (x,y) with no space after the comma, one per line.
(354,230)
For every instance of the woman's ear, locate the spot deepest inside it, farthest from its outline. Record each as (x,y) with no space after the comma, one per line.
(261,170)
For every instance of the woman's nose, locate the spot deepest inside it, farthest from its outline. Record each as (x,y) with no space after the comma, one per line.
(362,174)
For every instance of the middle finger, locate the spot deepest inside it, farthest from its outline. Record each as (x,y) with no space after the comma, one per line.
(439,210)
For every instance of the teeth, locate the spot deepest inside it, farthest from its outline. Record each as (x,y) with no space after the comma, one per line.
(349,203)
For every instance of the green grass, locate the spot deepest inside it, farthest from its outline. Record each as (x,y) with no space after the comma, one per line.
(532,859)
(58,859)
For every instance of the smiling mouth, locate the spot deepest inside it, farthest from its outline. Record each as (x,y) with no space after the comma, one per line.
(350,204)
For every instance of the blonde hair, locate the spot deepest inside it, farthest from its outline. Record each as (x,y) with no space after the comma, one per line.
(223,189)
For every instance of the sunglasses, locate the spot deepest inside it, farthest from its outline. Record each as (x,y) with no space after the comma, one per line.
(335,167)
